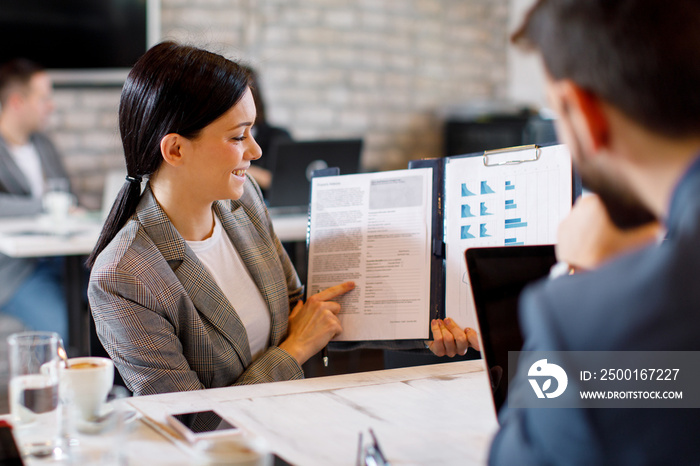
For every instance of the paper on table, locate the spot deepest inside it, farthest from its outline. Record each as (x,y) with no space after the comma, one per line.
(374,229)
(502,205)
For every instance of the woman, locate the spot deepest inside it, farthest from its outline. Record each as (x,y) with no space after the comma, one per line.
(190,288)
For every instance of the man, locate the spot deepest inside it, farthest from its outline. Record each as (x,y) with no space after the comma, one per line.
(30,290)
(623,76)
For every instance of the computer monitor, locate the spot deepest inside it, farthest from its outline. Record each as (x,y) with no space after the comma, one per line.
(294,161)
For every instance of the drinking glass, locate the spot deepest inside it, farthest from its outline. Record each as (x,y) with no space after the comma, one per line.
(34,389)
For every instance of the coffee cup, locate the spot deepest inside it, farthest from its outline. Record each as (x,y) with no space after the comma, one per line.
(85,383)
(58,204)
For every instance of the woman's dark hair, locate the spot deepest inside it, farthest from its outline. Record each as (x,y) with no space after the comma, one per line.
(640,56)
(172,88)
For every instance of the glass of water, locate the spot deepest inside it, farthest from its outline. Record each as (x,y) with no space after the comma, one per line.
(34,400)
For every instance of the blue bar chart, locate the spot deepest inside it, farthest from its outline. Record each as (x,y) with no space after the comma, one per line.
(465,191)
(483,231)
(467,211)
(511,206)
(515,223)
(510,201)
(486,189)
(465,232)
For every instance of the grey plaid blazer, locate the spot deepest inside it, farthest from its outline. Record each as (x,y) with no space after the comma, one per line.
(164,321)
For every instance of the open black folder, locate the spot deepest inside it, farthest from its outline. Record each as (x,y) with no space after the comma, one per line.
(401,234)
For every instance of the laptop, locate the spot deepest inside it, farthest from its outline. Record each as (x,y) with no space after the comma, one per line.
(292,165)
(498,275)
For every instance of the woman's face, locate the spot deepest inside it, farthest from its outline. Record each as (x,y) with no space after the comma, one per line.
(221,154)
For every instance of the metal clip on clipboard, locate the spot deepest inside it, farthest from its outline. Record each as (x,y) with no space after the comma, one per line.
(538,152)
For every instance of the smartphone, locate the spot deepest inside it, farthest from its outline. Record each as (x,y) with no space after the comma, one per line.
(200,425)
(9,454)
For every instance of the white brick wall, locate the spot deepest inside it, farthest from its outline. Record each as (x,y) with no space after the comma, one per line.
(378,69)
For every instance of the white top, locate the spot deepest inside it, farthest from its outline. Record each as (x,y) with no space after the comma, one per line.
(28,160)
(225,265)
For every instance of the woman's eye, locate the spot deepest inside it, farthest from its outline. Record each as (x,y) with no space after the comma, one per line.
(241,138)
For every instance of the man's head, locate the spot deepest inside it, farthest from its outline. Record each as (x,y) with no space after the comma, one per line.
(637,57)
(25,95)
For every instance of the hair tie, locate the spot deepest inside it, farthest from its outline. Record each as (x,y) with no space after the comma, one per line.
(133,179)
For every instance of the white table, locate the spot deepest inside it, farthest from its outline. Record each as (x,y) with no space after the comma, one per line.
(427,415)
(41,236)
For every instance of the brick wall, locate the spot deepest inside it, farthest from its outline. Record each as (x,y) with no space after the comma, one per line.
(384,70)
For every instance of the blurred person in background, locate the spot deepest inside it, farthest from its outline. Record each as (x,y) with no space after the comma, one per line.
(265,135)
(31,290)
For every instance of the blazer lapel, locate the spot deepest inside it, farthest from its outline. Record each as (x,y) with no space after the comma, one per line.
(11,175)
(205,294)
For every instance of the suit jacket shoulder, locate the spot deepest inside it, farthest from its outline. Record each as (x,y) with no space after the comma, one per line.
(645,301)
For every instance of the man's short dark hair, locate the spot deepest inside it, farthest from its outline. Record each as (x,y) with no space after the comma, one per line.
(16,73)
(642,56)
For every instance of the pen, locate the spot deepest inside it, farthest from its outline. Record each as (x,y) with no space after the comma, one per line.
(377,449)
(324,353)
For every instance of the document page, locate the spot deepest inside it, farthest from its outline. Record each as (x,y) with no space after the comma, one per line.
(500,205)
(374,229)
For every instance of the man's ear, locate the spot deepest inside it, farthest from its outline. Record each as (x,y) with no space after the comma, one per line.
(14,100)
(587,113)
(171,149)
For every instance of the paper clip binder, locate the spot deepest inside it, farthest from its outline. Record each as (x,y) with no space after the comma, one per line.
(488,153)
(473,201)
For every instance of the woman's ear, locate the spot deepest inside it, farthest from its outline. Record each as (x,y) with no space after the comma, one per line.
(170,149)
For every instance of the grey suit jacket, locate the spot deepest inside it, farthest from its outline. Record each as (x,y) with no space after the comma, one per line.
(645,301)
(16,200)
(165,322)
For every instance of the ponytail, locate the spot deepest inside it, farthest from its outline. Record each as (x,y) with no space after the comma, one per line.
(123,208)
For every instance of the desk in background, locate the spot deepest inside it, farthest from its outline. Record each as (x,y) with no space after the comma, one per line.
(27,237)
(290,228)
(38,237)
(439,414)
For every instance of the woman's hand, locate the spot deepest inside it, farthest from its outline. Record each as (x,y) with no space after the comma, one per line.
(314,323)
(449,339)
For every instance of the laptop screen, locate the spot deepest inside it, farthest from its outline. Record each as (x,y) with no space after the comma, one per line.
(497,276)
